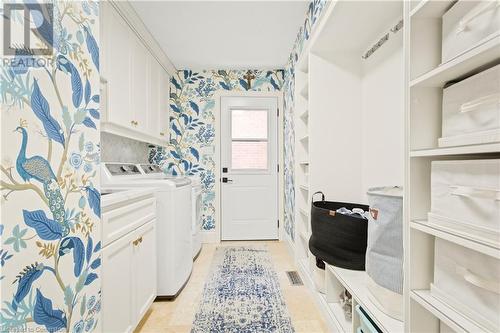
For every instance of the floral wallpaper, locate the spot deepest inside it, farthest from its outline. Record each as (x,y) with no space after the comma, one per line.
(50,203)
(192,149)
(313,13)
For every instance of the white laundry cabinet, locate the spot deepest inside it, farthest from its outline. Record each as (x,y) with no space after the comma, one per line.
(129,262)
(135,84)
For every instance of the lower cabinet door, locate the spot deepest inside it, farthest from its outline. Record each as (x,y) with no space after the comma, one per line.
(118,311)
(145,268)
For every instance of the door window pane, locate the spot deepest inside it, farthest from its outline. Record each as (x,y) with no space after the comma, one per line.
(249,124)
(249,155)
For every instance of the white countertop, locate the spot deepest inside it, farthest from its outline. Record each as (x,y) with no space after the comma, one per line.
(117,195)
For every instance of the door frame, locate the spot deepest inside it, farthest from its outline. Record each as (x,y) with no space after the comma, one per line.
(214,236)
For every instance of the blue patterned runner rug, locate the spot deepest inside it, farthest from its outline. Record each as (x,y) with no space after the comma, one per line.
(242,295)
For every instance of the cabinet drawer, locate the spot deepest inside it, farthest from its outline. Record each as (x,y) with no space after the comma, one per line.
(122,219)
(467,25)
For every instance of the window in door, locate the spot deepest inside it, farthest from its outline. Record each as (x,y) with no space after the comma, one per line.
(249,140)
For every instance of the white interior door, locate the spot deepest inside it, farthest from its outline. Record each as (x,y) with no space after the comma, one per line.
(249,168)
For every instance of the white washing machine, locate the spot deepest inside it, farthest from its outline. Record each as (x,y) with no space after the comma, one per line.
(173,222)
(155,172)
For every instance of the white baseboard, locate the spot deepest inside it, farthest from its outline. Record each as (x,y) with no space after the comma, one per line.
(209,237)
(290,245)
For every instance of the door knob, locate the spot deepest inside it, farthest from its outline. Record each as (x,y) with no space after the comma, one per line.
(226,180)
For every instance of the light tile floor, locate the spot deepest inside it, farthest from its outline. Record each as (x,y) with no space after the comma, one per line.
(177,316)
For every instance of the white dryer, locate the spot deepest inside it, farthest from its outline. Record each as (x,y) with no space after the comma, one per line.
(173,216)
(153,171)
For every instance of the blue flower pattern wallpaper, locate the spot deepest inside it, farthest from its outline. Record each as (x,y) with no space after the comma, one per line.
(192,147)
(50,234)
(313,13)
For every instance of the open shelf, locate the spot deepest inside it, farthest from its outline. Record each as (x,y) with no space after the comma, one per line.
(337,314)
(464,65)
(461,150)
(351,26)
(304,187)
(304,115)
(356,283)
(430,9)
(303,63)
(449,316)
(304,92)
(438,231)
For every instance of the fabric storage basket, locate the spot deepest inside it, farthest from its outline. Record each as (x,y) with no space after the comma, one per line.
(465,198)
(471,110)
(467,25)
(338,239)
(469,282)
(384,252)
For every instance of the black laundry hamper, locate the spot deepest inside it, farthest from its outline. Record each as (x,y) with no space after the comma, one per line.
(338,239)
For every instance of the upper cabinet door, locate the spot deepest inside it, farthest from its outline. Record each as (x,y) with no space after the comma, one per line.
(117,39)
(164,113)
(155,72)
(139,85)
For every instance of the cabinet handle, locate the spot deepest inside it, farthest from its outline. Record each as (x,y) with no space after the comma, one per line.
(162,134)
(133,122)
(137,241)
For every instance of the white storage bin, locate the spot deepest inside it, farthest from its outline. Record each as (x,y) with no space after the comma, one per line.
(468,24)
(468,282)
(465,198)
(471,110)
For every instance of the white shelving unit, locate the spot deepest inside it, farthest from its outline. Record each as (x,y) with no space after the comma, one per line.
(342,106)
(302,194)
(364,122)
(425,78)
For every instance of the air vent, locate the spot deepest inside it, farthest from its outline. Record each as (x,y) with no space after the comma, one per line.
(294,278)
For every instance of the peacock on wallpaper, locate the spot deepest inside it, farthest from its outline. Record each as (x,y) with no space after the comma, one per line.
(50,198)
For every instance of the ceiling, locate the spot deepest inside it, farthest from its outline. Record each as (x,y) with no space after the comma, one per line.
(224,34)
